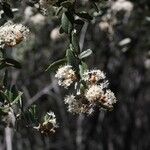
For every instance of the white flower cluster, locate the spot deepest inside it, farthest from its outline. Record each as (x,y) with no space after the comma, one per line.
(97,89)
(108,98)
(66,76)
(93,76)
(49,125)
(93,92)
(12,34)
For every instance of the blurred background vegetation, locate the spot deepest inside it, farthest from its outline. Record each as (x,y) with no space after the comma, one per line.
(119,38)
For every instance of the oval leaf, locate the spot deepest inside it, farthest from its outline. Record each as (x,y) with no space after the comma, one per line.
(84,15)
(66,4)
(66,22)
(75,41)
(85,54)
(12,62)
(55,65)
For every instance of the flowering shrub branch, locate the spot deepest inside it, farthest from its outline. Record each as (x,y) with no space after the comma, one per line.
(90,87)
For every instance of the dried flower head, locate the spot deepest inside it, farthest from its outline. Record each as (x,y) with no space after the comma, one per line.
(49,125)
(78,104)
(65,75)
(108,99)
(93,76)
(94,93)
(12,34)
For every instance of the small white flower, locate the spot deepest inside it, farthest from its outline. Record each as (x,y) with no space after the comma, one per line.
(12,34)
(65,75)
(69,99)
(104,84)
(49,124)
(108,99)
(94,93)
(93,76)
(51,118)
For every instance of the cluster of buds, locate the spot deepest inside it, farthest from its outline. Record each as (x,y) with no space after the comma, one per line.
(94,91)
(12,34)
(49,125)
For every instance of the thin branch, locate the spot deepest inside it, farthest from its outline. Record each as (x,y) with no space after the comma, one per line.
(79,133)
(8,138)
(38,95)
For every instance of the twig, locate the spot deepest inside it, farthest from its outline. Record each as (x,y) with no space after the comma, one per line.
(38,95)
(65,121)
(8,138)
(79,136)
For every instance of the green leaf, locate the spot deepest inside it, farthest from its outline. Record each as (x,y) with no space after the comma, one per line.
(83,68)
(85,54)
(61,30)
(12,63)
(5,79)
(3,111)
(14,91)
(95,6)
(1,55)
(17,99)
(84,15)
(4,96)
(71,59)
(16,95)
(75,42)
(32,113)
(2,65)
(55,65)
(66,4)
(9,95)
(59,11)
(67,22)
